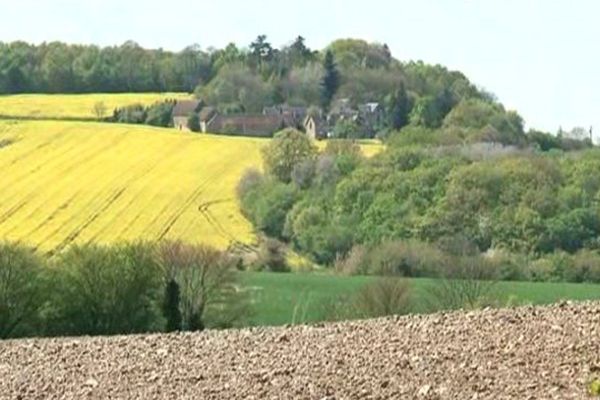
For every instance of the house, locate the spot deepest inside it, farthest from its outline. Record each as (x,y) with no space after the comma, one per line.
(206,114)
(371,116)
(315,127)
(258,125)
(182,111)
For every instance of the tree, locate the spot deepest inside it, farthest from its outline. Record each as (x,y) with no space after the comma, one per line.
(104,290)
(398,109)
(207,281)
(330,82)
(159,114)
(288,148)
(21,292)
(347,129)
(171,310)
(194,122)
(100,110)
(261,50)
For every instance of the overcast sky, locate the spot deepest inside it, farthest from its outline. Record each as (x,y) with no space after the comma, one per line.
(539,57)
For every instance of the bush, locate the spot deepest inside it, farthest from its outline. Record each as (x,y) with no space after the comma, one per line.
(356,262)
(468,283)
(584,267)
(133,114)
(267,205)
(160,114)
(105,290)
(272,256)
(22,290)
(251,179)
(406,258)
(386,296)
(380,298)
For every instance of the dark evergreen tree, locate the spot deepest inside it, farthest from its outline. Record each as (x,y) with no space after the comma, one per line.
(330,82)
(171,307)
(398,109)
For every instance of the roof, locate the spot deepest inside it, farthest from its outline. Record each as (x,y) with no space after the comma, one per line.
(369,107)
(207,113)
(185,107)
(263,125)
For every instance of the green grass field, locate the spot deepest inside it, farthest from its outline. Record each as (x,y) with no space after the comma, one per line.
(280,299)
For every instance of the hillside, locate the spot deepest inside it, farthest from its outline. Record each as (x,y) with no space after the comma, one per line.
(525,353)
(74,106)
(65,182)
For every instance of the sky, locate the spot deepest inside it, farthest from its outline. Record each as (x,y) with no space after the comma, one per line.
(540,58)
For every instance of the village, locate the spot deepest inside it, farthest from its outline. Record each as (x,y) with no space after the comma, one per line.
(365,120)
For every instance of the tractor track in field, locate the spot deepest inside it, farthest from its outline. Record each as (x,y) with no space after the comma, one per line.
(188,203)
(75,162)
(65,204)
(204,209)
(175,152)
(116,195)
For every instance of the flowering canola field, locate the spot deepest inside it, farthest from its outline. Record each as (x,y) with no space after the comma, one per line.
(74,105)
(66,182)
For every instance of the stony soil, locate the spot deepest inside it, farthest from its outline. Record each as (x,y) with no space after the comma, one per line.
(525,353)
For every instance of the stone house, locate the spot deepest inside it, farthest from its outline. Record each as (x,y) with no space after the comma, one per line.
(315,127)
(182,111)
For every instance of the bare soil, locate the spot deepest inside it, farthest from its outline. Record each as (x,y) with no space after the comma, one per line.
(525,353)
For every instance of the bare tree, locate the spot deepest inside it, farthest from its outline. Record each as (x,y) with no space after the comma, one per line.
(100,110)
(209,294)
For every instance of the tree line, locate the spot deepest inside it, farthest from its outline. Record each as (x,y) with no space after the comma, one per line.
(416,210)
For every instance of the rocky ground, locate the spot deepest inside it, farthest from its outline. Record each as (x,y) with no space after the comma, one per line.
(525,353)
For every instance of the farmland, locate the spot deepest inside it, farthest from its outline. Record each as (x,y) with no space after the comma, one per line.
(66,182)
(75,182)
(73,106)
(281,299)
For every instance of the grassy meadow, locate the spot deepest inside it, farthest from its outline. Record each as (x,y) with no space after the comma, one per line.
(74,106)
(281,299)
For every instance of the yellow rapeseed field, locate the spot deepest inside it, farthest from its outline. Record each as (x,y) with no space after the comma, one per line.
(75,182)
(63,182)
(74,105)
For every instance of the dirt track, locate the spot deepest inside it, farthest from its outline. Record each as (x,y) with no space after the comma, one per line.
(525,353)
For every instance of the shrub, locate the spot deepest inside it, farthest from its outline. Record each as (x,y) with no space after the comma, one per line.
(209,295)
(303,173)
(584,267)
(356,262)
(406,258)
(105,290)
(133,114)
(159,114)
(21,290)
(251,179)
(468,283)
(272,256)
(386,296)
(267,206)
(380,298)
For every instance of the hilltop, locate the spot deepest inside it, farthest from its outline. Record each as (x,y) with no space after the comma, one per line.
(531,352)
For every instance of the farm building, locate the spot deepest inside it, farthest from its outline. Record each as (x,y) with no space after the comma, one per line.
(315,127)
(182,111)
(258,125)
